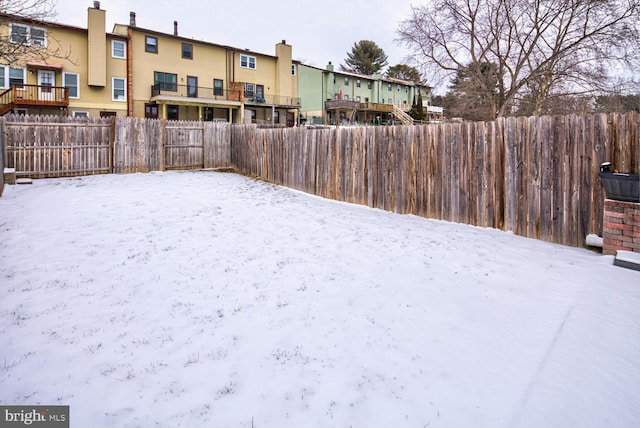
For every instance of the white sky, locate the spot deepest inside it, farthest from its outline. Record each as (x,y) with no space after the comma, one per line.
(318,31)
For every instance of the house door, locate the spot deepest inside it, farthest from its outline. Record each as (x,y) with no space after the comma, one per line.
(45,83)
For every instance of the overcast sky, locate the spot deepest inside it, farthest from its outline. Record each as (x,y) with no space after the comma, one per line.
(318,31)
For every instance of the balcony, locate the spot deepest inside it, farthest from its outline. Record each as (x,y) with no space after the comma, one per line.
(24,96)
(272,100)
(356,105)
(195,94)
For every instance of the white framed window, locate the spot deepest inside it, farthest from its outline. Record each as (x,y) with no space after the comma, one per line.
(39,37)
(358,98)
(119,85)
(72,82)
(28,35)
(17,76)
(3,76)
(22,111)
(118,49)
(398,88)
(390,101)
(346,97)
(247,61)
(79,113)
(358,83)
(346,81)
(390,87)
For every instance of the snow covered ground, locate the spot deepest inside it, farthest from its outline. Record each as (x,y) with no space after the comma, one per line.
(209,299)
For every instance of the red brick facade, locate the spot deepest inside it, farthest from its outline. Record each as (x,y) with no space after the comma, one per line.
(621,228)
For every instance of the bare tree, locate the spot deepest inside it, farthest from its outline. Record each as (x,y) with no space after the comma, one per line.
(542,48)
(20,42)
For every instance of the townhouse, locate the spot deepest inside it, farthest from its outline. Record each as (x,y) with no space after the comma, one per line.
(66,70)
(140,72)
(337,97)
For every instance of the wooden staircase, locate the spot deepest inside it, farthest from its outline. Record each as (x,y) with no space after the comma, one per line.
(402,116)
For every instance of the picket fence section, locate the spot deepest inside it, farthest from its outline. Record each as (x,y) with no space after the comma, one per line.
(57,146)
(536,176)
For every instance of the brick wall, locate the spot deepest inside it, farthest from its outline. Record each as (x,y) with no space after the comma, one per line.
(621,229)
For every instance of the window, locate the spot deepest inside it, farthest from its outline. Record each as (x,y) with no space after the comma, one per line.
(358,98)
(119,85)
(151,44)
(358,83)
(406,89)
(276,116)
(151,111)
(19,34)
(249,90)
(247,61)
(38,37)
(293,69)
(398,88)
(390,101)
(336,97)
(192,86)
(368,85)
(218,87)
(106,113)
(71,81)
(334,79)
(390,87)
(118,49)
(187,51)
(346,81)
(80,114)
(27,35)
(165,81)
(3,79)
(16,76)
(346,97)
(172,112)
(260,92)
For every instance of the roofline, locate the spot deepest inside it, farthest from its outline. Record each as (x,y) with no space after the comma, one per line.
(368,77)
(191,40)
(51,24)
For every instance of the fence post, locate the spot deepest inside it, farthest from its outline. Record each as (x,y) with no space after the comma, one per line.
(112,144)
(163,139)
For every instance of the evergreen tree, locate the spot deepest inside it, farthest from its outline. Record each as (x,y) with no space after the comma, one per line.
(365,57)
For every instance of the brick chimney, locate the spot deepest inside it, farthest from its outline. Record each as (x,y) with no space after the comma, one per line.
(175,28)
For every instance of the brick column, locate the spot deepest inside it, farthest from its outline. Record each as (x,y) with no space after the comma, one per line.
(621,228)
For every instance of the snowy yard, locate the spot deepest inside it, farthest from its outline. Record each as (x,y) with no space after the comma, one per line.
(205,299)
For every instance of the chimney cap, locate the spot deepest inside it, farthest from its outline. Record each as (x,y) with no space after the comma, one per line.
(132,19)
(96,5)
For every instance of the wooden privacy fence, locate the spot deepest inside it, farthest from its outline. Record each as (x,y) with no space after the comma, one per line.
(143,145)
(59,146)
(537,176)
